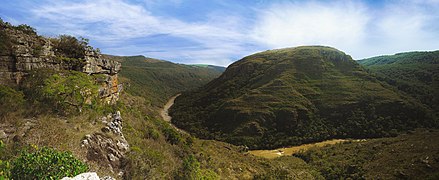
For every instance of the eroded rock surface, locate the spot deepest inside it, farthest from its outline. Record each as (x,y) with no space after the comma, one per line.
(22,51)
(109,146)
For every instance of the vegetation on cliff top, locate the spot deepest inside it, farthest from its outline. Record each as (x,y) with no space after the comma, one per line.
(296,95)
(67,49)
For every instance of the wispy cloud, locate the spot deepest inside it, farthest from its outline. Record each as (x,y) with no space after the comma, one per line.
(406,26)
(220,32)
(119,22)
(310,22)
(360,29)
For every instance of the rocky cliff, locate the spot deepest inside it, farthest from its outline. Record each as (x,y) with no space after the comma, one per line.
(22,51)
(61,74)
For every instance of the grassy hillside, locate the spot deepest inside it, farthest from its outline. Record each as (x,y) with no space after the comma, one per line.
(415,73)
(293,96)
(157,80)
(34,115)
(159,151)
(410,156)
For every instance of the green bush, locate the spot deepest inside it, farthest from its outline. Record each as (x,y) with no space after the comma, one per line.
(26,29)
(69,46)
(10,100)
(4,164)
(46,163)
(172,136)
(192,170)
(71,89)
(63,92)
(272,174)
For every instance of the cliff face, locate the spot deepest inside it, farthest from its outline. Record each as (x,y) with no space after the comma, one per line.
(22,51)
(96,64)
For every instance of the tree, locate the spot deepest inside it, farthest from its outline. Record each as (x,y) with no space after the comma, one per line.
(70,47)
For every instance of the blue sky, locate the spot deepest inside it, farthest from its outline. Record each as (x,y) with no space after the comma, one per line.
(222,31)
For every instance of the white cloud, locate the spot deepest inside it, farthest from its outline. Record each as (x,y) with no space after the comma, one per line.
(222,36)
(403,27)
(305,23)
(362,30)
(118,21)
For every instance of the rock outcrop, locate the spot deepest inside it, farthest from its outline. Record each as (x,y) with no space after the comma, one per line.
(88,176)
(109,146)
(22,51)
(84,176)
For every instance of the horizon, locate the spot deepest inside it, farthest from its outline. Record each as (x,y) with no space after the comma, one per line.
(222,32)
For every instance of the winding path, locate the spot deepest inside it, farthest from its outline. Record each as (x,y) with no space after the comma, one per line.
(164,113)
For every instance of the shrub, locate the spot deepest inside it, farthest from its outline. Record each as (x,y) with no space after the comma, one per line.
(276,173)
(26,29)
(192,170)
(4,164)
(46,163)
(69,46)
(5,43)
(10,100)
(73,89)
(172,136)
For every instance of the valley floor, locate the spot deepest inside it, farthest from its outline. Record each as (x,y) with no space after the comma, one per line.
(288,151)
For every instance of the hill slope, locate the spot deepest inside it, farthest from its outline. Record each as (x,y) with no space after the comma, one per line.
(409,156)
(33,115)
(157,80)
(415,73)
(296,95)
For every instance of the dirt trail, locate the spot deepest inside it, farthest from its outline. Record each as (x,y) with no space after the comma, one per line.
(165,111)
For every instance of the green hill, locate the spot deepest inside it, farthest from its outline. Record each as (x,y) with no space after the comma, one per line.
(157,80)
(415,73)
(293,96)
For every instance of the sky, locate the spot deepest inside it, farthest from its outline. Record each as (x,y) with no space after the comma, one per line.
(220,32)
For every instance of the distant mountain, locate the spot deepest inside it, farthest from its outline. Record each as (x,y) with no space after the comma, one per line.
(157,80)
(415,73)
(296,95)
(218,68)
